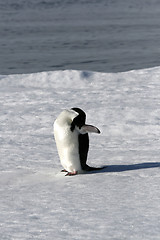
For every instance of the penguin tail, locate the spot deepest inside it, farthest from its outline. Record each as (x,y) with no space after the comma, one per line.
(89,169)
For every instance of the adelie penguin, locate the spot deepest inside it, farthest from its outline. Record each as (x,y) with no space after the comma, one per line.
(72,140)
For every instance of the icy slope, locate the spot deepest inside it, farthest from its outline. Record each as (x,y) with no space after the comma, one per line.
(120,202)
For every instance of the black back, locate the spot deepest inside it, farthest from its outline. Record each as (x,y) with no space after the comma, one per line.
(83,149)
(82,138)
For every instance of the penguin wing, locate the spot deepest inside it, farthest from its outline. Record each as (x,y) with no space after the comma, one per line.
(83,149)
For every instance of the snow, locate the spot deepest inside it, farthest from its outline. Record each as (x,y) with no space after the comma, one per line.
(120,202)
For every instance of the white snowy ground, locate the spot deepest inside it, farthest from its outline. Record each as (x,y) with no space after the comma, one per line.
(120,202)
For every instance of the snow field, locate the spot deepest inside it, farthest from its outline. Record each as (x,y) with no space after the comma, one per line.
(120,202)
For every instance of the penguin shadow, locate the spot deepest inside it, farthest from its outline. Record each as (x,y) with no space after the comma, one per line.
(130,167)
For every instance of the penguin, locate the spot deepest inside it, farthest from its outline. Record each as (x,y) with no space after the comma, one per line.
(72,140)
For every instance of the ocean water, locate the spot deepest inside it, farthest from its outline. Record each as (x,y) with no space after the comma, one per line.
(97,35)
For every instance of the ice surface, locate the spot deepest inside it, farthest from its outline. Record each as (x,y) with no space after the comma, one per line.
(119,202)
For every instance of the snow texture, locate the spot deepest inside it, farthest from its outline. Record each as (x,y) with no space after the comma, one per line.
(119,202)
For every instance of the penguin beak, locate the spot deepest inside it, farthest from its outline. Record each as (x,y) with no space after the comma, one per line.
(88,128)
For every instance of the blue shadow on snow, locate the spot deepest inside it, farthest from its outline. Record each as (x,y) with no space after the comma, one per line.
(130,167)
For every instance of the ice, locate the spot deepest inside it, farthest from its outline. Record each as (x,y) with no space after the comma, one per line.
(121,201)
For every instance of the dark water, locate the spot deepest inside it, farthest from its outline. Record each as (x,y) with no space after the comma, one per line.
(97,35)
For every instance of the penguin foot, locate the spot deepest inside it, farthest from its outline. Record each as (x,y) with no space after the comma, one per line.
(71,173)
(63,170)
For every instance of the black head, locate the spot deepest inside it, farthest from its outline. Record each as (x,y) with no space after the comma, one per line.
(78,121)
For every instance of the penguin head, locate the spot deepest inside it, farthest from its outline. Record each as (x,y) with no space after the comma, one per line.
(78,123)
(79,120)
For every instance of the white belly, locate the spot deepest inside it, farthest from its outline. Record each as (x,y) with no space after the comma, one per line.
(68,146)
